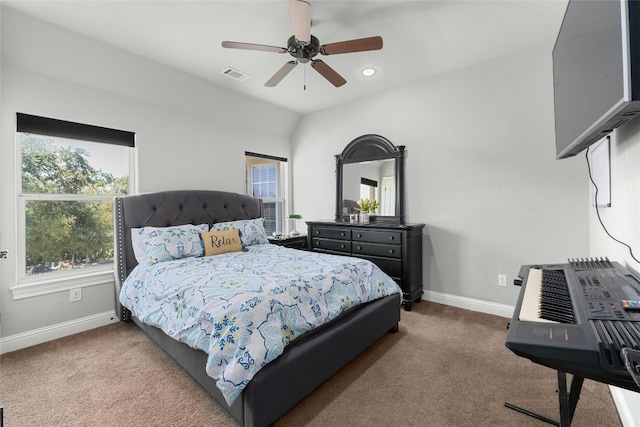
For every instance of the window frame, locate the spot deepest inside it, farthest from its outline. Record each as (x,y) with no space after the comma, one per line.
(282,184)
(45,283)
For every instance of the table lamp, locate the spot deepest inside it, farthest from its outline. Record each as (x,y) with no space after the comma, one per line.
(293,218)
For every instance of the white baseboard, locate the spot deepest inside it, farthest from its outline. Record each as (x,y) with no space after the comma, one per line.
(628,405)
(623,399)
(49,333)
(482,306)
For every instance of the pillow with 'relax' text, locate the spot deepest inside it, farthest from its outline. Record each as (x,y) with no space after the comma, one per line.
(221,242)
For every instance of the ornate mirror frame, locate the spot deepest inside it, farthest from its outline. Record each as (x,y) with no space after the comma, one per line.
(368,148)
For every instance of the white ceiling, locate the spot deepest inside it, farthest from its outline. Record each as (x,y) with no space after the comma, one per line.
(421,38)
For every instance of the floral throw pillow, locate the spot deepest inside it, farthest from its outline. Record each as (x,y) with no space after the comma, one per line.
(252,231)
(169,243)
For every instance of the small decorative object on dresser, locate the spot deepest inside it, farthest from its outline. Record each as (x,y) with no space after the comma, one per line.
(295,242)
(366,207)
(395,248)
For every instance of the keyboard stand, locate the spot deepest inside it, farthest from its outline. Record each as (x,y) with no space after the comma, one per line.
(568,401)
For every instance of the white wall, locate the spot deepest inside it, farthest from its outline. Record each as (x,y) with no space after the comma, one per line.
(189,134)
(480,172)
(622,220)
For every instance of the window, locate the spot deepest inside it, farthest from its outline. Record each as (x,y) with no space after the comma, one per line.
(368,188)
(266,179)
(70,173)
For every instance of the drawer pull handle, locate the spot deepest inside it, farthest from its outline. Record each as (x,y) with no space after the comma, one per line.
(317,243)
(342,234)
(341,246)
(359,248)
(391,251)
(317,231)
(359,235)
(390,237)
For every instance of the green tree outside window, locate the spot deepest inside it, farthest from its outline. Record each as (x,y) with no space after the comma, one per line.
(68,205)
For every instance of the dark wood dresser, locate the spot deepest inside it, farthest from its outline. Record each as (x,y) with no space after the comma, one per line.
(395,248)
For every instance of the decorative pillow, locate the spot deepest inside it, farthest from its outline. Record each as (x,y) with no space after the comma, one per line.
(169,243)
(220,242)
(251,230)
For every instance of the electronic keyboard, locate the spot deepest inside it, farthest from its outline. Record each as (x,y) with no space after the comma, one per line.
(581,318)
(577,317)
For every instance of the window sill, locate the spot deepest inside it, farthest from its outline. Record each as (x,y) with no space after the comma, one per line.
(45,286)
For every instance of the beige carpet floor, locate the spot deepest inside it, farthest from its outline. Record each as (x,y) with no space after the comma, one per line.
(445,367)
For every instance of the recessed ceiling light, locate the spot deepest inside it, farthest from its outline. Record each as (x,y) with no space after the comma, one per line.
(368,72)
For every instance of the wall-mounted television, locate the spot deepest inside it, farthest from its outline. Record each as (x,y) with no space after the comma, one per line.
(596,72)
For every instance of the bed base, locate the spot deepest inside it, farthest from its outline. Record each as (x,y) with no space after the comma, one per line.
(304,365)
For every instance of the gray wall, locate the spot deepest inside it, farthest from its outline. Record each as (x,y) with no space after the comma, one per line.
(480,172)
(189,134)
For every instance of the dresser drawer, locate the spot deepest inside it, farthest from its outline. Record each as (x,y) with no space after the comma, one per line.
(331,244)
(395,248)
(365,248)
(392,267)
(385,236)
(331,233)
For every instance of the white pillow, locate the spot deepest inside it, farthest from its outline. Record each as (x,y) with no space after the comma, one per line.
(139,249)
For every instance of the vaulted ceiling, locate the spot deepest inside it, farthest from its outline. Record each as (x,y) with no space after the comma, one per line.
(421,39)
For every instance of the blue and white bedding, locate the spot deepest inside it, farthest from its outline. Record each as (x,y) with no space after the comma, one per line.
(243,308)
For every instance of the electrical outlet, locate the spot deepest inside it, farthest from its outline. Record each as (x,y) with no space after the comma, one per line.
(502,280)
(76,295)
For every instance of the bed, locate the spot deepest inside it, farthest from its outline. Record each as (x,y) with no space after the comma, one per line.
(305,362)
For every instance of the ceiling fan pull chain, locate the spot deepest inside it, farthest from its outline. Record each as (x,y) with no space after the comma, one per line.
(304,78)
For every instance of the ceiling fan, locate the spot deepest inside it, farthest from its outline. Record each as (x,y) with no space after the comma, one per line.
(304,47)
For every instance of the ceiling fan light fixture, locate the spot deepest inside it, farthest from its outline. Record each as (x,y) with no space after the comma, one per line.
(304,47)
(368,72)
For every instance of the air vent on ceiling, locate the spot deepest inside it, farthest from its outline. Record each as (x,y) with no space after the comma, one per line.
(235,74)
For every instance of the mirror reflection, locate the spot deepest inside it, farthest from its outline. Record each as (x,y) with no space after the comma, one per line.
(371,167)
(370,180)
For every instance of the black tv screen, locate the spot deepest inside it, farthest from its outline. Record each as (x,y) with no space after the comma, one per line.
(595,89)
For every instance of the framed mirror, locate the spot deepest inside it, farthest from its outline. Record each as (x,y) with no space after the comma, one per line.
(371,167)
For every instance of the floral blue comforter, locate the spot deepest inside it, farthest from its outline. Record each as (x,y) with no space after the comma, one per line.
(243,308)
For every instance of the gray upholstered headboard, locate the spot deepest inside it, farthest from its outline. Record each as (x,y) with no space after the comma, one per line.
(169,208)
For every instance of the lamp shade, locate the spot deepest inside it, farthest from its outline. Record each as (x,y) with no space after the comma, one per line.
(293,218)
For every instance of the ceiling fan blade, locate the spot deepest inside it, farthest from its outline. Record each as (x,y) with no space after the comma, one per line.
(281,74)
(253,46)
(301,17)
(328,73)
(358,45)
